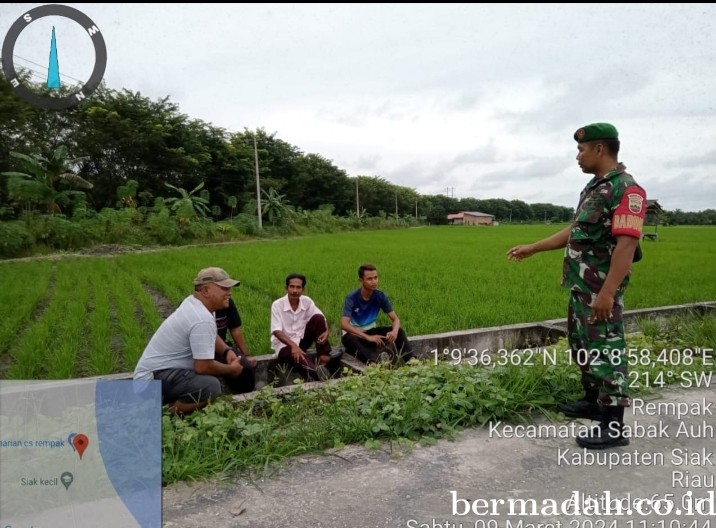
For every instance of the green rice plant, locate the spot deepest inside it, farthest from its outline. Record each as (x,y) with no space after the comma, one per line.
(132,335)
(24,289)
(100,357)
(153,268)
(48,348)
(150,315)
(439,279)
(135,330)
(71,329)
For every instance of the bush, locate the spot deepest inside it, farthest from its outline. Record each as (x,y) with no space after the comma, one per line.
(225,231)
(247,224)
(158,226)
(197,231)
(15,240)
(117,226)
(57,232)
(162,229)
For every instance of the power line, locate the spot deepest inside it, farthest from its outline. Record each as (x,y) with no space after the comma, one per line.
(42,75)
(42,66)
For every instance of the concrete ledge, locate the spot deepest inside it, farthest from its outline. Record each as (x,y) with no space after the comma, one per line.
(508,337)
(531,335)
(632,317)
(286,389)
(267,371)
(270,372)
(289,386)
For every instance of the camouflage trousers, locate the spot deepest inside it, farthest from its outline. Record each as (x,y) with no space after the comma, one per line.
(599,349)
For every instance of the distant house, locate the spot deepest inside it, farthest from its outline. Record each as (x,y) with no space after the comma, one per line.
(470,218)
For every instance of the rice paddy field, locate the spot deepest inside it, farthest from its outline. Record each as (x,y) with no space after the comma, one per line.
(83,316)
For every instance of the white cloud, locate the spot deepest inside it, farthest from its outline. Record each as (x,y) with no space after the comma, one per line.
(482,98)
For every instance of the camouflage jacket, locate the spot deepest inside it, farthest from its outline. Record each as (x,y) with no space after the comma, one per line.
(608,207)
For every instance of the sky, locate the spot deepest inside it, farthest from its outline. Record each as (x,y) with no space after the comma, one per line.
(469,100)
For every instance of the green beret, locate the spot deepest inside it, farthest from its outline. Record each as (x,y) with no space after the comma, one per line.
(596,131)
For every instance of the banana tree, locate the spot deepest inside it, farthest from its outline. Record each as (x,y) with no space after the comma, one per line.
(41,179)
(274,205)
(189,204)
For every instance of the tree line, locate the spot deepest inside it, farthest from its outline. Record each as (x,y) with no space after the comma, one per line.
(126,150)
(133,150)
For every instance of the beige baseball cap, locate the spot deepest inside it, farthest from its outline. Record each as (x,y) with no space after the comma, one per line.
(215,275)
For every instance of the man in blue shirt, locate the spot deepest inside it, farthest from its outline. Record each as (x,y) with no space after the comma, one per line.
(361,337)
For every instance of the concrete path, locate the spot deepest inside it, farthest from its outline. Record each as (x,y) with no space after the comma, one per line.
(435,486)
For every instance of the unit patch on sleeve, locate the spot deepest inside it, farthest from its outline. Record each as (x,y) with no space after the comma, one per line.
(628,217)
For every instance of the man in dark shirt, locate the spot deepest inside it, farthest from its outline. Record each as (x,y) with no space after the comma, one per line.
(229,320)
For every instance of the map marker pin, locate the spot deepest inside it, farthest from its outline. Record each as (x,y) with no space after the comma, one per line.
(67,479)
(80,442)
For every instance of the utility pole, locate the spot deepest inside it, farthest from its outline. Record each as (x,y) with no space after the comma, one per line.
(396,204)
(258,187)
(416,208)
(357,204)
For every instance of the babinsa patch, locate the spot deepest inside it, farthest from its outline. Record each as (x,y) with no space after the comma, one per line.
(636,202)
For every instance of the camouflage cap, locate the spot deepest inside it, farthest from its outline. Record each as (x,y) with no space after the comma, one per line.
(596,131)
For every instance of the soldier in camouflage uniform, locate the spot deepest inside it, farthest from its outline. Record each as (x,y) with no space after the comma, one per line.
(599,249)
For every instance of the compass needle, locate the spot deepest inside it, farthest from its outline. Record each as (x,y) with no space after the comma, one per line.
(53,71)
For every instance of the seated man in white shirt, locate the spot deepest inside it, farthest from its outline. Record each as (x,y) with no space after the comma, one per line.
(181,351)
(296,323)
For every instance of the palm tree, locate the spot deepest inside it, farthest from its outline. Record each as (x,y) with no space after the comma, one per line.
(38,184)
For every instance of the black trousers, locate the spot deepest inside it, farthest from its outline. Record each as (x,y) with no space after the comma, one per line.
(368,352)
(244,382)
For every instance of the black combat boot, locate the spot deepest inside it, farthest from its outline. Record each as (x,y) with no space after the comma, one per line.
(609,432)
(587,407)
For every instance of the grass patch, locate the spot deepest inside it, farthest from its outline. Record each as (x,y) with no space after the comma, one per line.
(417,403)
